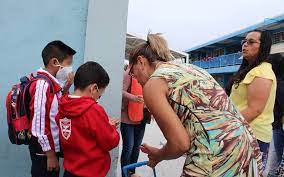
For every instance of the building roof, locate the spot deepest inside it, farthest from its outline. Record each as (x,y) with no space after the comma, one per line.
(132,41)
(267,24)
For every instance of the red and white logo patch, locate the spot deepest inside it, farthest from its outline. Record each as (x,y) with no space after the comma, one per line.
(65,126)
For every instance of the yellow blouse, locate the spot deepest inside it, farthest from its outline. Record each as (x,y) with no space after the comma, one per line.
(262,124)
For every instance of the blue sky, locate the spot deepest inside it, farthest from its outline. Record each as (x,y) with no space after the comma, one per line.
(187,23)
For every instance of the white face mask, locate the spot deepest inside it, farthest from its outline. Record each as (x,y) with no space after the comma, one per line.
(62,74)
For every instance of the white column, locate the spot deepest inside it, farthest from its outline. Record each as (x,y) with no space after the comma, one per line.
(105,44)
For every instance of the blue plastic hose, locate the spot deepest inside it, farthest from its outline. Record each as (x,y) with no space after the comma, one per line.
(135,165)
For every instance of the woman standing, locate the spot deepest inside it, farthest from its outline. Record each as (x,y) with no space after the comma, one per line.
(132,131)
(253,88)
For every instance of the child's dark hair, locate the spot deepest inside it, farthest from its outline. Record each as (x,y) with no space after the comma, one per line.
(56,49)
(90,73)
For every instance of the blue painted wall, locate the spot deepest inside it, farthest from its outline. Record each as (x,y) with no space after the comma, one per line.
(25,28)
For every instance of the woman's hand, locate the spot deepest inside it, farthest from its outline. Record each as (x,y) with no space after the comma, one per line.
(153,154)
(139,99)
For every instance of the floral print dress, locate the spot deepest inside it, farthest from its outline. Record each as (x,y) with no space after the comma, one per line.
(222,143)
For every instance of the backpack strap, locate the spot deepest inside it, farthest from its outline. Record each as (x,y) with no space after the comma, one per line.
(37,76)
(26,95)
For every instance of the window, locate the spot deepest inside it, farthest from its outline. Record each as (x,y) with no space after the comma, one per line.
(218,52)
(278,37)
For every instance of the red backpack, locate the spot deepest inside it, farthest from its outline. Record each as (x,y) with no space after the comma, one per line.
(17,105)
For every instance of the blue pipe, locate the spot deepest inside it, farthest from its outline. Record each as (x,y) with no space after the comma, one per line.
(134,165)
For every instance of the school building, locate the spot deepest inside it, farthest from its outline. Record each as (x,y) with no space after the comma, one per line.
(222,57)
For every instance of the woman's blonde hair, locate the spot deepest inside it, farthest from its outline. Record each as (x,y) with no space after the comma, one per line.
(155,48)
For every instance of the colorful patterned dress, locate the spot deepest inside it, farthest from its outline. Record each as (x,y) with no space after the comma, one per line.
(222,143)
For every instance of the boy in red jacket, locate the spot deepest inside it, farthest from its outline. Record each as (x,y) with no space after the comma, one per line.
(86,133)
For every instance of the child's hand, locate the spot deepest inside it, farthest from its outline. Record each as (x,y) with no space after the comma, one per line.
(115,122)
(52,161)
(69,82)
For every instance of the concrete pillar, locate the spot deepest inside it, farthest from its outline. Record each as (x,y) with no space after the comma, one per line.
(94,28)
(105,44)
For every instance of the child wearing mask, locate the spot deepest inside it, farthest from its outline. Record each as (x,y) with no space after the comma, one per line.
(43,107)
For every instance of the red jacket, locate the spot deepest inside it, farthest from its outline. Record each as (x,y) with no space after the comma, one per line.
(86,137)
(43,108)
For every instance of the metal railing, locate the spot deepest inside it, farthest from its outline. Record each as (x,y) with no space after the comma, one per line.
(221,61)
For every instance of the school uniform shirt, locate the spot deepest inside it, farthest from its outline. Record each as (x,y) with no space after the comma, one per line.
(43,108)
(86,136)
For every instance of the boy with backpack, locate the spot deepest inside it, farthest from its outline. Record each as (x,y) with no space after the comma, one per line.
(44,146)
(86,133)
(32,106)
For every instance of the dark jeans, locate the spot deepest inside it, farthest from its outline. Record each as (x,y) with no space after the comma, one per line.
(132,136)
(39,163)
(264,148)
(39,167)
(68,174)
(278,138)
